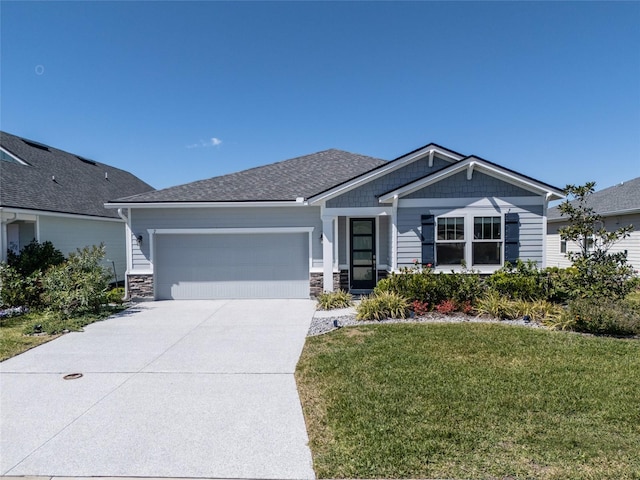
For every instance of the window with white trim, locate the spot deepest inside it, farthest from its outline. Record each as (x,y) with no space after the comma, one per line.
(487,241)
(454,245)
(450,244)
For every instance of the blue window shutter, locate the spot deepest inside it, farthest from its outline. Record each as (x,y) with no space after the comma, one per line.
(428,240)
(511,237)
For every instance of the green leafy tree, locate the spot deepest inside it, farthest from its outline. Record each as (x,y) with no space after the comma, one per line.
(599,273)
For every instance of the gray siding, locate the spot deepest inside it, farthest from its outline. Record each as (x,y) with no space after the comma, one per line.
(69,234)
(235,217)
(366,195)
(409,231)
(480,185)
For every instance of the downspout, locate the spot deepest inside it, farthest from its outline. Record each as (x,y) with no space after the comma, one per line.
(127,228)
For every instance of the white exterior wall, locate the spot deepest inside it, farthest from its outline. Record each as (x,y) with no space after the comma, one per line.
(144,219)
(631,244)
(68,234)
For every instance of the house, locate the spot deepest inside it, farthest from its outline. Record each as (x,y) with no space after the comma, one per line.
(48,194)
(330,220)
(618,205)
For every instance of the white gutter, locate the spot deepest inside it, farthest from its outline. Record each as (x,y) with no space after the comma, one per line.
(290,203)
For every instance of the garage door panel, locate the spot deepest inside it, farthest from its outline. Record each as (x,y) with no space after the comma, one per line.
(208,266)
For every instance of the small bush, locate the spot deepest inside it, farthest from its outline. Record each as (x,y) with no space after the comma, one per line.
(601,317)
(35,257)
(446,307)
(522,281)
(496,305)
(17,290)
(420,308)
(79,285)
(333,300)
(382,305)
(116,295)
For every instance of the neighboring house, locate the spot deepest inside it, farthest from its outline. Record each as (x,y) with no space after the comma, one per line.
(619,206)
(331,220)
(49,194)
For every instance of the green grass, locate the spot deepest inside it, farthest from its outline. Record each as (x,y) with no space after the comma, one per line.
(16,333)
(471,401)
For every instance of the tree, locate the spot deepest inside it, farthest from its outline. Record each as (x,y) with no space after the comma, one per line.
(599,273)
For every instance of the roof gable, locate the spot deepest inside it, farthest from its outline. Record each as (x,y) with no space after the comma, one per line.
(470,164)
(429,151)
(618,199)
(287,181)
(49,179)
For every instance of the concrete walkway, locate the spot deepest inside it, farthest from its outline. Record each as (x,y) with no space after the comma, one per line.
(169,389)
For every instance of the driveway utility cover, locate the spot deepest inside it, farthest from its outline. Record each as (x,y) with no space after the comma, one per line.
(169,389)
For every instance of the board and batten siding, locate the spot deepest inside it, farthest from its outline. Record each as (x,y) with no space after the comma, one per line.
(143,220)
(555,258)
(410,229)
(68,234)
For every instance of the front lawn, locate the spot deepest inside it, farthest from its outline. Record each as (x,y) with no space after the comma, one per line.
(471,401)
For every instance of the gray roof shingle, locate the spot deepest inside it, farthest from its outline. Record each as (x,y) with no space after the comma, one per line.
(621,197)
(282,181)
(80,186)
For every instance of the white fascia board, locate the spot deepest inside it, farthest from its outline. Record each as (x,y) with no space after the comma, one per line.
(223,231)
(503,202)
(20,161)
(479,165)
(629,211)
(44,213)
(357,212)
(384,170)
(288,203)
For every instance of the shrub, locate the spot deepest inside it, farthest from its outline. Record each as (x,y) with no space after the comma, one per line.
(333,300)
(496,305)
(446,307)
(35,256)
(520,281)
(381,305)
(537,310)
(425,286)
(17,290)
(79,285)
(116,295)
(420,308)
(601,317)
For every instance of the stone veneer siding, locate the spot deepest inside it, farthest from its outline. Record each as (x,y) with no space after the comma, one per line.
(316,283)
(140,286)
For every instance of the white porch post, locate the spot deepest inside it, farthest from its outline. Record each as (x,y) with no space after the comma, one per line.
(394,234)
(327,252)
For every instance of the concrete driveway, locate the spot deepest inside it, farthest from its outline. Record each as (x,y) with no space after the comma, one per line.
(169,389)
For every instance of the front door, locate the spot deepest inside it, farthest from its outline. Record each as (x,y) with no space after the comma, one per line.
(363,253)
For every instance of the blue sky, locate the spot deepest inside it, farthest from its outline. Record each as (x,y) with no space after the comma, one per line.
(181,91)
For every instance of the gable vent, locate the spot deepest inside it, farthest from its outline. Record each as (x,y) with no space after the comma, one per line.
(85,160)
(33,144)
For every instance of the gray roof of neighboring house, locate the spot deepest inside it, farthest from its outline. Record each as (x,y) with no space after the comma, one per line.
(282,181)
(80,186)
(622,197)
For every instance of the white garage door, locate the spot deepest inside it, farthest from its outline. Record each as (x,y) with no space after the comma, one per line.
(208,266)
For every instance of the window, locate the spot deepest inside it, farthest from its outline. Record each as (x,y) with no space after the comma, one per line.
(469,240)
(450,245)
(563,246)
(487,241)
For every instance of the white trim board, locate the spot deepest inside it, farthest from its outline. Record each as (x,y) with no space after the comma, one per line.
(470,202)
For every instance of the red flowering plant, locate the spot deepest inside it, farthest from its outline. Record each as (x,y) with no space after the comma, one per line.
(420,308)
(446,307)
